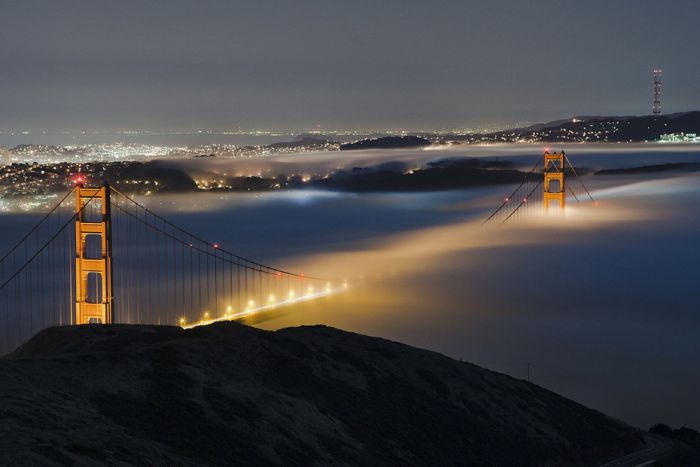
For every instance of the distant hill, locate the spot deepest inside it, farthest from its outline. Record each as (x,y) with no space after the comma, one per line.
(611,129)
(445,174)
(387,142)
(170,177)
(308,142)
(229,394)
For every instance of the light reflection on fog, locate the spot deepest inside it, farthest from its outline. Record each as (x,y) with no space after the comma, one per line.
(602,303)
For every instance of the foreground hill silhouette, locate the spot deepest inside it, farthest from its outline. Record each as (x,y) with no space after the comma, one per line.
(237,395)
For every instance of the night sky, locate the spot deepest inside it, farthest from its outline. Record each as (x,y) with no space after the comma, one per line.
(101,65)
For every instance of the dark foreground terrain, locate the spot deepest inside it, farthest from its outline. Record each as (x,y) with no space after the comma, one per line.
(236,395)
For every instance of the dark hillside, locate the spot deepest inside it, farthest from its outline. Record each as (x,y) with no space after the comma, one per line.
(236,395)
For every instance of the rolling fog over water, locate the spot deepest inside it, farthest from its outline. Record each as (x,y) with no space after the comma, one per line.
(589,156)
(601,301)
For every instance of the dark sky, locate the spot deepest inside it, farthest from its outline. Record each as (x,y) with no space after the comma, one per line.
(352,64)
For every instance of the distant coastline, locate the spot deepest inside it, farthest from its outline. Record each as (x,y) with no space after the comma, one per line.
(672,128)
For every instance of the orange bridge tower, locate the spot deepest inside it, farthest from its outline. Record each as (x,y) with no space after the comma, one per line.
(554,182)
(93,256)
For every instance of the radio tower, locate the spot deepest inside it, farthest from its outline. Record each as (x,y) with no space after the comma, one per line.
(656,106)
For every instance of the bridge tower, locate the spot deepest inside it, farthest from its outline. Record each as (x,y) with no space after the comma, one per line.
(93,256)
(554,183)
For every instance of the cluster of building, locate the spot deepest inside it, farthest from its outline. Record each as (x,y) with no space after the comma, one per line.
(30,186)
(32,174)
(114,152)
(27,186)
(49,154)
(5,156)
(679,138)
(575,130)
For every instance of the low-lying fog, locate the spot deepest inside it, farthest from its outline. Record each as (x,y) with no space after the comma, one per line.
(602,302)
(591,156)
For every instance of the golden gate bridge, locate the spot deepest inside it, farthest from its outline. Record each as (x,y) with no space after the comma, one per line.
(545,186)
(101,257)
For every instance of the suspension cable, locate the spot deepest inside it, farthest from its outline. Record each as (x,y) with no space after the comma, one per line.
(579,179)
(522,202)
(507,200)
(205,251)
(213,245)
(48,242)
(36,226)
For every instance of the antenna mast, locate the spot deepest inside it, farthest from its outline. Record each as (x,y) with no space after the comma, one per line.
(656,83)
